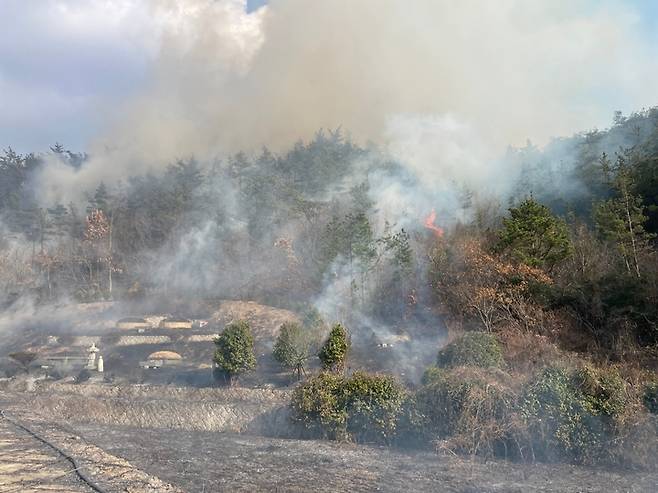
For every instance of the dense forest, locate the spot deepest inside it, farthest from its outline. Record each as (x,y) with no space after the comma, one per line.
(547,294)
(306,227)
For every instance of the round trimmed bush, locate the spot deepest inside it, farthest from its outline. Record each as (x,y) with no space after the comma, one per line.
(364,407)
(472,349)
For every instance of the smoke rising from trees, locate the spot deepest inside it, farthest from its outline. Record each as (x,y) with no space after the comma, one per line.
(444,86)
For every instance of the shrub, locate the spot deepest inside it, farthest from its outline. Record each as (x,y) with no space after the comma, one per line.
(471,410)
(293,347)
(472,349)
(316,405)
(604,390)
(373,404)
(234,353)
(560,418)
(363,407)
(334,351)
(650,397)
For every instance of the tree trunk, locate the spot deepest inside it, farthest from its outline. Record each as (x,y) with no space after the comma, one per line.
(631,232)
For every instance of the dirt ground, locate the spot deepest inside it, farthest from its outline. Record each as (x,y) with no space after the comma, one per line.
(226,462)
(29,465)
(163,448)
(26,465)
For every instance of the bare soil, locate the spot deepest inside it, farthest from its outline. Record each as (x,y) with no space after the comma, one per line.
(212,461)
(159,436)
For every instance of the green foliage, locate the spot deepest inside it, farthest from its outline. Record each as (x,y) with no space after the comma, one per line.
(234,353)
(554,412)
(364,407)
(292,348)
(472,349)
(650,397)
(604,390)
(534,236)
(333,352)
(316,405)
(621,219)
(472,410)
(373,404)
(569,415)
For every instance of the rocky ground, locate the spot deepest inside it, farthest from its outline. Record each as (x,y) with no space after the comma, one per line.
(137,438)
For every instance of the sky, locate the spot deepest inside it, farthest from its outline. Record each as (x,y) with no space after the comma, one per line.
(67,67)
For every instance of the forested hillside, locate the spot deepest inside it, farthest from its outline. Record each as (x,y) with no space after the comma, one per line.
(306,226)
(546,296)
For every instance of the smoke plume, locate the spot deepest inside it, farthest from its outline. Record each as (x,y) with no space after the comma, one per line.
(443,85)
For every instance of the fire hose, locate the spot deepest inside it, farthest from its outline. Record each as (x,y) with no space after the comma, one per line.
(77,467)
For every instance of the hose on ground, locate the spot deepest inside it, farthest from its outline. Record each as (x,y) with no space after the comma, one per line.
(76,465)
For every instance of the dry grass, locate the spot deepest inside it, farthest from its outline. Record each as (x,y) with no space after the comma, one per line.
(264,320)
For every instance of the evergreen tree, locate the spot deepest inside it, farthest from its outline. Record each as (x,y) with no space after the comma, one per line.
(292,348)
(234,352)
(333,353)
(534,236)
(621,219)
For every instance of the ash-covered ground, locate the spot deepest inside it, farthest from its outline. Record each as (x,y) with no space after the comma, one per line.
(216,461)
(230,440)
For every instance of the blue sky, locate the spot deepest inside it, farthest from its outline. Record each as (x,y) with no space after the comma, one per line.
(64,71)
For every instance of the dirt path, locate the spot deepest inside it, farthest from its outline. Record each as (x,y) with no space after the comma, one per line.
(30,465)
(27,465)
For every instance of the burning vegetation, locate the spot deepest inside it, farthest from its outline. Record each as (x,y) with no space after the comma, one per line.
(528,335)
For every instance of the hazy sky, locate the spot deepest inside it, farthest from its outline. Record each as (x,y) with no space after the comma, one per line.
(67,65)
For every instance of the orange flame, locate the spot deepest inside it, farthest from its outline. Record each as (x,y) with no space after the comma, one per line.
(429,224)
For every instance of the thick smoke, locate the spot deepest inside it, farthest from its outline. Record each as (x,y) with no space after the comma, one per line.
(445,85)
(439,87)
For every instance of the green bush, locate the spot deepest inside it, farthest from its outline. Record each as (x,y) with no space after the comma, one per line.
(559,419)
(650,397)
(363,407)
(234,350)
(373,404)
(470,410)
(317,406)
(472,349)
(334,351)
(603,389)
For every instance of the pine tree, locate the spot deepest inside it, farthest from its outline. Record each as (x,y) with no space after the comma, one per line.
(621,219)
(333,353)
(534,236)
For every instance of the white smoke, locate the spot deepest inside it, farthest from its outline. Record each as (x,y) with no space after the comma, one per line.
(445,85)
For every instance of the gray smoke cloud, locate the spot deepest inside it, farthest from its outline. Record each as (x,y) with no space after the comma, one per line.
(444,86)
